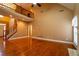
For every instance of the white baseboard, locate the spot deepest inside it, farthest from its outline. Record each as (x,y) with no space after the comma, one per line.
(52,40)
(38,38)
(18,38)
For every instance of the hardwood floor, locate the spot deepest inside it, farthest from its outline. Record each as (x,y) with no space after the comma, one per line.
(22,47)
(1,46)
(1,42)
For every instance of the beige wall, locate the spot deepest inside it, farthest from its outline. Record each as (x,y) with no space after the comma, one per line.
(21,29)
(50,23)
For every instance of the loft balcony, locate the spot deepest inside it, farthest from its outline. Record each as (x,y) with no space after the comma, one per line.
(16,11)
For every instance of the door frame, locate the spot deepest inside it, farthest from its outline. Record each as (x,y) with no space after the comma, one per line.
(4,34)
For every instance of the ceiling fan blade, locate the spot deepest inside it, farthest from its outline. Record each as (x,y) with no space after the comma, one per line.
(32,5)
(39,4)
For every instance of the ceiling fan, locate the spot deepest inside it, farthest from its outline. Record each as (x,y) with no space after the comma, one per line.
(38,4)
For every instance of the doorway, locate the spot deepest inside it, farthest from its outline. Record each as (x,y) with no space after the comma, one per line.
(2,37)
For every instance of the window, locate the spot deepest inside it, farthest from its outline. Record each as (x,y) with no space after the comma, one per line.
(75,25)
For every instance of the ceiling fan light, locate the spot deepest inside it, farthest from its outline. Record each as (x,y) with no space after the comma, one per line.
(34,3)
(1,16)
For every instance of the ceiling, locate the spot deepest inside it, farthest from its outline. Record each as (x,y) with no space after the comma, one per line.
(28,5)
(8,11)
(69,5)
(24,5)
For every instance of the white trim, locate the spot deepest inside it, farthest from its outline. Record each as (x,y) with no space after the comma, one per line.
(52,40)
(2,24)
(18,37)
(38,38)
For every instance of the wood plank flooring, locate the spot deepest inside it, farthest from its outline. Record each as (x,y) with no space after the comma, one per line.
(1,47)
(22,47)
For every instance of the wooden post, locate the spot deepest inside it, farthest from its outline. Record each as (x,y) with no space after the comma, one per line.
(4,36)
(29,31)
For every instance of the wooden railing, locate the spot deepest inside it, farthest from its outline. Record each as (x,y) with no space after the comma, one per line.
(23,11)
